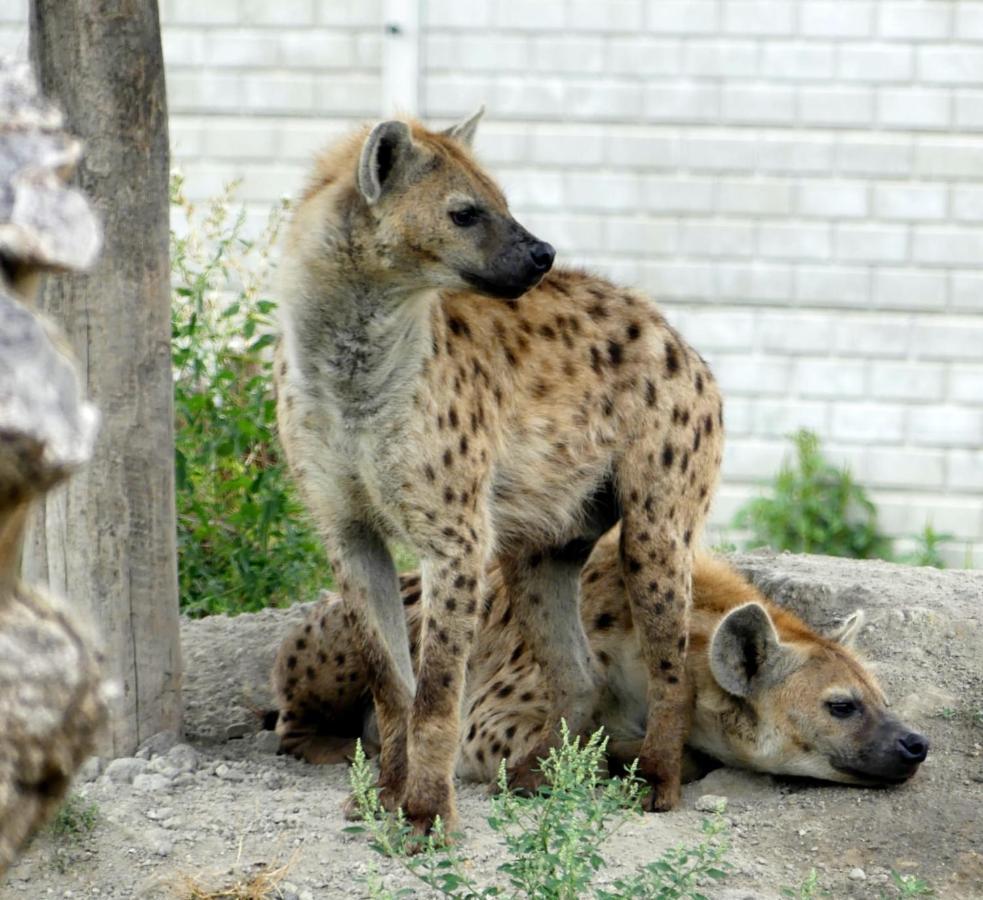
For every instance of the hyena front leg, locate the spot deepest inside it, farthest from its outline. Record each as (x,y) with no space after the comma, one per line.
(368,584)
(656,562)
(544,594)
(452,586)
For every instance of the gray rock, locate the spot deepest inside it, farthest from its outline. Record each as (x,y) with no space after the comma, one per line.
(227,774)
(151,783)
(735,784)
(183,757)
(267,742)
(158,744)
(125,769)
(239,729)
(91,769)
(857,874)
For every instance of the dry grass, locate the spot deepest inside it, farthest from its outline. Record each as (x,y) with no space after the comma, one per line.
(260,885)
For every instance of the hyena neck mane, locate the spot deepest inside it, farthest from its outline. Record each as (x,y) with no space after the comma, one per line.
(364,348)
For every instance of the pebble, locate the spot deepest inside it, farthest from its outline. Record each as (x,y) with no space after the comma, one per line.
(267,741)
(125,769)
(227,774)
(711,803)
(857,874)
(238,730)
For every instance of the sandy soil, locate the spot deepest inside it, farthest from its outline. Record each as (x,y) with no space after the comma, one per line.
(223,804)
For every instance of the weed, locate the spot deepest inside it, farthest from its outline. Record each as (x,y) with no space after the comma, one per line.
(808,889)
(551,841)
(814,507)
(243,538)
(926,551)
(911,885)
(76,819)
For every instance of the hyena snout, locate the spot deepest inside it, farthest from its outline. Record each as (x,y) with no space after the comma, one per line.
(542,256)
(515,263)
(912,748)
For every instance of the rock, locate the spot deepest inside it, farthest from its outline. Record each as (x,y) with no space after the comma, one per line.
(735,784)
(91,769)
(125,769)
(267,741)
(158,744)
(710,803)
(238,730)
(227,774)
(857,874)
(151,783)
(183,757)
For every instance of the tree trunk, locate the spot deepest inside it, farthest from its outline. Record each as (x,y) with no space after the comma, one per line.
(107,539)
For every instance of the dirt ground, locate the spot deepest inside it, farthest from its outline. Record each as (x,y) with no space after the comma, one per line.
(223,804)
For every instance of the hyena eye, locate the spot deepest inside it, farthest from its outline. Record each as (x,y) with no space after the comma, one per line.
(465,218)
(842,709)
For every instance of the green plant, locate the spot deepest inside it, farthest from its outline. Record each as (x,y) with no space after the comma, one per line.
(926,551)
(814,507)
(808,889)
(911,885)
(243,538)
(75,818)
(552,841)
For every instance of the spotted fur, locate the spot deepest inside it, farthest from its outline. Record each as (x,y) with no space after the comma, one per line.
(435,386)
(781,724)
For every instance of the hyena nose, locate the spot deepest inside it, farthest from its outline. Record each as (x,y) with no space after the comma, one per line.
(913,747)
(542,256)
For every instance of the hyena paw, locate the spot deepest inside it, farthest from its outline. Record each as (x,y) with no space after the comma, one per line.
(525,777)
(662,794)
(389,800)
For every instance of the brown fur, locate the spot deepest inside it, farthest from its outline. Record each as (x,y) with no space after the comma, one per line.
(784,727)
(413,407)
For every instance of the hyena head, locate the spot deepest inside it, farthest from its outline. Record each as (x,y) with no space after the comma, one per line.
(436,220)
(809,706)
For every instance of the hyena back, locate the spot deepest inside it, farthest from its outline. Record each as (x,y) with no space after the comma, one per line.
(439,385)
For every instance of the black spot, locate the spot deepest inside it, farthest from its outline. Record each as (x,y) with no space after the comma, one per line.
(515,656)
(699,383)
(301,644)
(291,662)
(633,565)
(649,392)
(458,327)
(472,731)
(667,456)
(526,697)
(595,359)
(450,604)
(665,665)
(547,332)
(672,679)
(634,330)
(460,581)
(505,691)
(672,359)
(604,621)
(614,353)
(340,659)
(510,732)
(452,417)
(448,458)
(448,495)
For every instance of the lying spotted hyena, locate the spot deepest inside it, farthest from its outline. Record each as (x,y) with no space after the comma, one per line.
(769,693)
(439,384)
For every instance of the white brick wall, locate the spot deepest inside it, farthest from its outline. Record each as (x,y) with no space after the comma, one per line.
(799,182)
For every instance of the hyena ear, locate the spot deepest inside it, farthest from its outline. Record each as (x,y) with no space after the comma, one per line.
(744,649)
(385,150)
(847,631)
(464,131)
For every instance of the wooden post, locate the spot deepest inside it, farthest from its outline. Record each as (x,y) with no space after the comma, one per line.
(53,699)
(108,538)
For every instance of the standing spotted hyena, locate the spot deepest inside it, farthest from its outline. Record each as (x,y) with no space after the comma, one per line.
(440,385)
